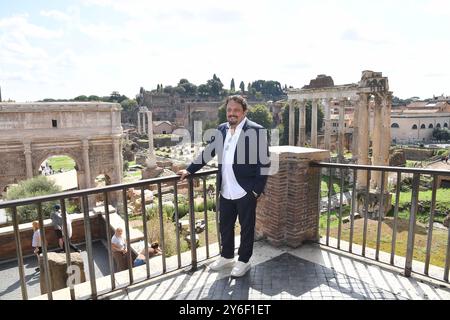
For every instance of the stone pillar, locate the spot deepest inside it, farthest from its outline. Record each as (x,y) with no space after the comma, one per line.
(144,127)
(291,123)
(139,122)
(315,106)
(327,124)
(341,133)
(151,160)
(377,142)
(302,124)
(355,125)
(288,213)
(363,138)
(117,160)
(28,161)
(381,137)
(87,167)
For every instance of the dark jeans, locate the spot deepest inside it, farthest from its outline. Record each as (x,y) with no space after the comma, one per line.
(245,209)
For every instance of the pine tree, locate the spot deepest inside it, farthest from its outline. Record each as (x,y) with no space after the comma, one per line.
(232,87)
(242,86)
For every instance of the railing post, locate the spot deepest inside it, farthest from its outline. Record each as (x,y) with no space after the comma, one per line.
(48,281)
(394,228)
(161,227)
(90,253)
(67,244)
(412,224)
(23,285)
(192,224)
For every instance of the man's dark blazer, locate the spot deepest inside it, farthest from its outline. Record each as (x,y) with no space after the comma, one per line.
(248,172)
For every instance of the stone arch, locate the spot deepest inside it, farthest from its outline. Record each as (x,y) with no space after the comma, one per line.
(39,157)
(446,125)
(431,126)
(414,127)
(395,125)
(423,126)
(438,125)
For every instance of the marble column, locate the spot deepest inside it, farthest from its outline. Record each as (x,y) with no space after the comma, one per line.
(87,167)
(117,159)
(341,132)
(327,105)
(315,107)
(291,123)
(302,124)
(139,121)
(377,141)
(28,161)
(144,127)
(355,124)
(363,138)
(151,159)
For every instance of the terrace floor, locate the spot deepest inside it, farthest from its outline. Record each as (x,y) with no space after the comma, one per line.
(312,272)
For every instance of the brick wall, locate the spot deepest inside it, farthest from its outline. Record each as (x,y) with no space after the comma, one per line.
(288,214)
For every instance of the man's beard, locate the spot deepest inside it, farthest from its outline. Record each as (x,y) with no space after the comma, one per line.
(233,121)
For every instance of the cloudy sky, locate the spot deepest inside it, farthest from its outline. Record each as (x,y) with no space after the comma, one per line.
(61,49)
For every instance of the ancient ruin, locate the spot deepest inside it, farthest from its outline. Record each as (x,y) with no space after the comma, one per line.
(89,132)
(372,86)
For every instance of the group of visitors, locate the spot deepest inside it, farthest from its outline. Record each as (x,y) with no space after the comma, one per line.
(57,223)
(120,250)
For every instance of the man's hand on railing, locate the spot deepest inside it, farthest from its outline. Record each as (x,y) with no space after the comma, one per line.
(183,174)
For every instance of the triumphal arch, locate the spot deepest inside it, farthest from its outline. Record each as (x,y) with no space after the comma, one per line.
(89,132)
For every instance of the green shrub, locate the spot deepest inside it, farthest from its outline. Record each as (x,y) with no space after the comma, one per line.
(37,186)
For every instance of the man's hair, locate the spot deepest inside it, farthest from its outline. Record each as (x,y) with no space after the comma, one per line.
(239,99)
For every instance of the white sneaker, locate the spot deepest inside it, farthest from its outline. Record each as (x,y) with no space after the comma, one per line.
(221,263)
(240,269)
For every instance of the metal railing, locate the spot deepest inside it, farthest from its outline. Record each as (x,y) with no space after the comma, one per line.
(417,173)
(106,191)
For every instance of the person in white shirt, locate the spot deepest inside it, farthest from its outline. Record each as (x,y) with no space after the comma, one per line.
(119,250)
(36,242)
(242,149)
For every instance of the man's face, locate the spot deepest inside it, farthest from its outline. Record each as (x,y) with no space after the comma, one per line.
(235,113)
(119,233)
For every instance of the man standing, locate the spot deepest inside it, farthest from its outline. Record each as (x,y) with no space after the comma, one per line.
(243,155)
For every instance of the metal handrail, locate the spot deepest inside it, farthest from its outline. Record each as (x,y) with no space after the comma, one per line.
(91,191)
(365,189)
(83,194)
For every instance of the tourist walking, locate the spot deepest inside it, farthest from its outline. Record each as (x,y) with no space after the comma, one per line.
(36,242)
(119,250)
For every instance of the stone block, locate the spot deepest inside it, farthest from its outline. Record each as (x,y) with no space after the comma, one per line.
(58,270)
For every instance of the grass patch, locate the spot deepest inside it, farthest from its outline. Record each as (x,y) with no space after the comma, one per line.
(438,250)
(61,162)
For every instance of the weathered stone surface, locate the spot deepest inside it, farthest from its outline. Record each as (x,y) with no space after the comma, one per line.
(447,221)
(58,270)
(88,132)
(288,213)
(397,159)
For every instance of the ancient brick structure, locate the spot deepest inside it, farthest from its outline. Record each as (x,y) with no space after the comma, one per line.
(288,213)
(90,133)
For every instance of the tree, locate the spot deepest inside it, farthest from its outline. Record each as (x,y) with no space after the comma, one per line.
(232,87)
(242,87)
(203,90)
(157,88)
(260,114)
(190,89)
(37,186)
(215,86)
(82,98)
(222,114)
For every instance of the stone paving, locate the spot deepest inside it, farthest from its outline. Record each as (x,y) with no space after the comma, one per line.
(9,273)
(309,273)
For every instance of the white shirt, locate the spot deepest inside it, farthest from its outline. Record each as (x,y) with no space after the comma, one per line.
(36,242)
(231,189)
(119,242)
